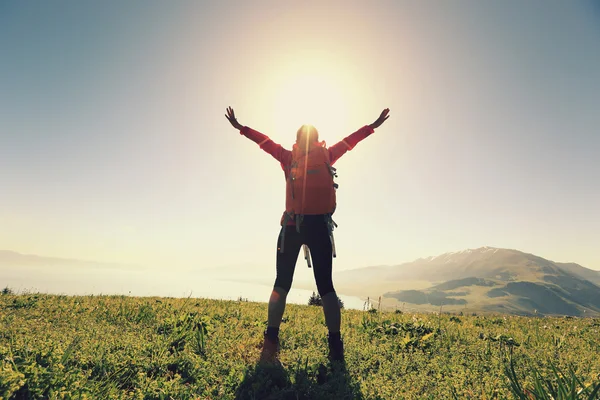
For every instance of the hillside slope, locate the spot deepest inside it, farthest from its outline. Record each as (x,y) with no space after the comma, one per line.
(485,279)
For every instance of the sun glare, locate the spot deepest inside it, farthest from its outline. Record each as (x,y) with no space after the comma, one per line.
(313,93)
(309,99)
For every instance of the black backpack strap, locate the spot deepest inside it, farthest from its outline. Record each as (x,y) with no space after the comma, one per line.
(299,219)
(286,219)
(330,226)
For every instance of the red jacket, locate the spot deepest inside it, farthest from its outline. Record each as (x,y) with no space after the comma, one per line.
(284,156)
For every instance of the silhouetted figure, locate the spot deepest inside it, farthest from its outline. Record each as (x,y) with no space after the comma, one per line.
(307,221)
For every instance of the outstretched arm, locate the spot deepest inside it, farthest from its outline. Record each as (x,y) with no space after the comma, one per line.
(264,142)
(349,142)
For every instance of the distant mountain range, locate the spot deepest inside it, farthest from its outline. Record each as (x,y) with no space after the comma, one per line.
(485,279)
(12,259)
(477,280)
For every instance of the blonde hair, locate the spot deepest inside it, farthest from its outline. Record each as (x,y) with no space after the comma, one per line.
(307,134)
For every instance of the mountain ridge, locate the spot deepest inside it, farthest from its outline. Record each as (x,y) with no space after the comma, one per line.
(9,258)
(487,279)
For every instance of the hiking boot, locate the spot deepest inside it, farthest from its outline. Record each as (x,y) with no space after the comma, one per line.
(270,350)
(336,349)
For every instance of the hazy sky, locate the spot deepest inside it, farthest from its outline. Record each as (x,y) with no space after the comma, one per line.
(114,145)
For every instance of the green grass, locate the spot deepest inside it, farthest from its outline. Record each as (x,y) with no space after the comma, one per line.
(118,347)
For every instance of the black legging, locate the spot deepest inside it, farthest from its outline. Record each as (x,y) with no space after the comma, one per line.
(314,233)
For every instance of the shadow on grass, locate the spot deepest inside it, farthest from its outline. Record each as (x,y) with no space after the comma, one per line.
(300,381)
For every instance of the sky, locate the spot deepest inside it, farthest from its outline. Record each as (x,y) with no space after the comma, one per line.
(114,146)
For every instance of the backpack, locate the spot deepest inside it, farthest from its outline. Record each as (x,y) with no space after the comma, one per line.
(310,189)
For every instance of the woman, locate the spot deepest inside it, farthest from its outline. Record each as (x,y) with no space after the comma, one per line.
(310,202)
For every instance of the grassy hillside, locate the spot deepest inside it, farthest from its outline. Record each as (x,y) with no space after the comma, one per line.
(118,347)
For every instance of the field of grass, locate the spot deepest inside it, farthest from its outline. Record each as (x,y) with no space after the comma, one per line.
(119,347)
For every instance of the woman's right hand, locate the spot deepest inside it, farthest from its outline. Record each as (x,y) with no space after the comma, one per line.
(382,117)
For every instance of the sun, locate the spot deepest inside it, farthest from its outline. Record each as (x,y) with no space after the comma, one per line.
(310,99)
(314,92)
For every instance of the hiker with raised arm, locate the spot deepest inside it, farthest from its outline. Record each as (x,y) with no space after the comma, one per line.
(307,221)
